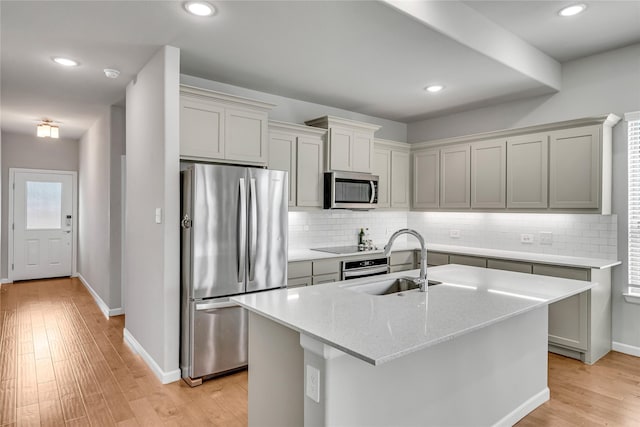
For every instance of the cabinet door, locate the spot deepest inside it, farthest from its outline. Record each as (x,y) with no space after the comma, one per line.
(426,179)
(362,152)
(309,172)
(455,179)
(340,149)
(527,171)
(245,136)
(399,179)
(568,318)
(201,129)
(282,156)
(488,174)
(574,168)
(382,168)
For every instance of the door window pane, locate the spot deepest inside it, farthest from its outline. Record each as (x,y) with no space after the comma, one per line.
(44,205)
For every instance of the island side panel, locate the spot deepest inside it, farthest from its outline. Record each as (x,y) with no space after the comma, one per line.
(599,316)
(493,376)
(275,374)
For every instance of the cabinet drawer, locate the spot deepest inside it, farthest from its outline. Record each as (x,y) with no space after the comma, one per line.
(300,281)
(326,267)
(468,260)
(325,278)
(564,272)
(437,258)
(401,267)
(501,264)
(404,257)
(299,269)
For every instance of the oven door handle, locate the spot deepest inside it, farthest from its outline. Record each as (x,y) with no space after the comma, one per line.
(364,272)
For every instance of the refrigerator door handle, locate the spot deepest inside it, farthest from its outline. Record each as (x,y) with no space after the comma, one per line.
(241,231)
(216,305)
(253,230)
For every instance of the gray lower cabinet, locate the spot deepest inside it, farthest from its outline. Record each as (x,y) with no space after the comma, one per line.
(473,261)
(325,278)
(402,261)
(298,274)
(517,266)
(434,258)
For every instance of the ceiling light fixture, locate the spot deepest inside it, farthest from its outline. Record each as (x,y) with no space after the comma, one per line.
(65,61)
(199,8)
(46,129)
(111,73)
(434,88)
(572,10)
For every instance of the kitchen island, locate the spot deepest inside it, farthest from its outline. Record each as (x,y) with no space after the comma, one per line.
(471,351)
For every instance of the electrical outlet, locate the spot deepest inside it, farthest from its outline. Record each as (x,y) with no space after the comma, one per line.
(546,238)
(454,234)
(526,238)
(313,383)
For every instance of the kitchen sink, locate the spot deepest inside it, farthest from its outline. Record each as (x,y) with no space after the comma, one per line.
(389,286)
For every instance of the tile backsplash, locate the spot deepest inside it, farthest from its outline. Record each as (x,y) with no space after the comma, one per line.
(316,229)
(584,235)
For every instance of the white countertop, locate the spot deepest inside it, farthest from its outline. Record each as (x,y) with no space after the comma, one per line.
(377,329)
(568,261)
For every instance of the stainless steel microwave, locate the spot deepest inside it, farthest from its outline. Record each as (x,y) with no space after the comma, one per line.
(350,190)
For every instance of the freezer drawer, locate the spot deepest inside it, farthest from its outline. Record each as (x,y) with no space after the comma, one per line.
(219,334)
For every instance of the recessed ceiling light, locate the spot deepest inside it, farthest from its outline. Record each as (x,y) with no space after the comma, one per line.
(434,88)
(199,8)
(572,10)
(65,61)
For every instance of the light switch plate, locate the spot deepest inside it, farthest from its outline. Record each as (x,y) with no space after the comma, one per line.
(454,234)
(158,215)
(313,383)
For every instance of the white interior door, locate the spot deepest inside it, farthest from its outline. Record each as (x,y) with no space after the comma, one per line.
(43,224)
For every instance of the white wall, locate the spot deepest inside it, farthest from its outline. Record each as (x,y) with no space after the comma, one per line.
(31,152)
(296,111)
(152,250)
(98,218)
(599,84)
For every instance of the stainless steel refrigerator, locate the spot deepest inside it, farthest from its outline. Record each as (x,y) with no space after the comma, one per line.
(234,241)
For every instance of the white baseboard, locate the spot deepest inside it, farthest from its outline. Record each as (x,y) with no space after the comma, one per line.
(108,312)
(521,411)
(5,281)
(164,377)
(626,349)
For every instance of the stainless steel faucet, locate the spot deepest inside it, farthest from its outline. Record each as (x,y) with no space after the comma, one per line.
(424,284)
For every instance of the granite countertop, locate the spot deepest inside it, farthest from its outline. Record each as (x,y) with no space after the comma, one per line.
(568,261)
(378,329)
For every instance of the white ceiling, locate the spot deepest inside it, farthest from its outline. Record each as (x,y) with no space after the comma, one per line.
(364,56)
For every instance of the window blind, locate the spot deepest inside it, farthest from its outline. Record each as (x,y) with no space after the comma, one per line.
(633,128)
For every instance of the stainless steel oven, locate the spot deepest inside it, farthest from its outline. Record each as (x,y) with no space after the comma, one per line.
(365,268)
(349,190)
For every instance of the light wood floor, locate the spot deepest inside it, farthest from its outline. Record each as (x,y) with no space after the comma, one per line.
(63,363)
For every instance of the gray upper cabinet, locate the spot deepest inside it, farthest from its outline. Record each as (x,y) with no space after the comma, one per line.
(489,174)
(426,179)
(217,126)
(455,176)
(350,144)
(298,150)
(574,168)
(527,171)
(382,168)
(391,165)
(400,179)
